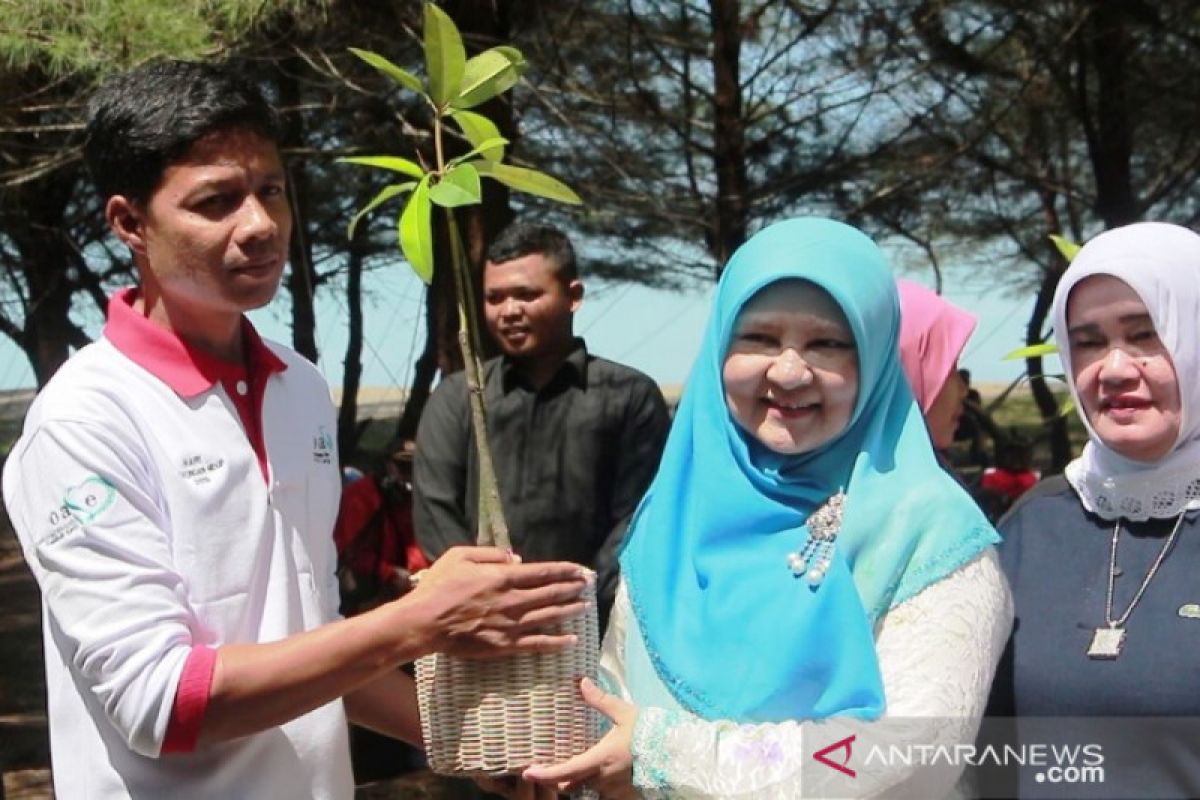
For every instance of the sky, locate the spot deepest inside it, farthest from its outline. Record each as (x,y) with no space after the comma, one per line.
(652,330)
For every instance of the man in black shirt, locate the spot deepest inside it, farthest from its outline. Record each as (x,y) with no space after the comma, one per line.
(575,438)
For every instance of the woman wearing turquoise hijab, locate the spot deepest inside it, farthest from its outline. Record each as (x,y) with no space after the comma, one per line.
(802,581)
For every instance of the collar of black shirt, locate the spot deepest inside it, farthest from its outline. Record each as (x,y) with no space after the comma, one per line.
(572,370)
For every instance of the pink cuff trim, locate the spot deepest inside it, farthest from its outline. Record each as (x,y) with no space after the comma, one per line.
(191,701)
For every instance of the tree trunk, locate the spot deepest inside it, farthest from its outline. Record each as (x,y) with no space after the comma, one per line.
(47,337)
(424,371)
(728,224)
(302,279)
(1056,423)
(47,261)
(348,430)
(1111,142)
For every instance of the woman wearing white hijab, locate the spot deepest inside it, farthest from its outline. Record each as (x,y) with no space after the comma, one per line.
(1103,563)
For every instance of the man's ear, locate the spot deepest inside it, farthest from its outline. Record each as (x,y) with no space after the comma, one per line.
(575,292)
(127,220)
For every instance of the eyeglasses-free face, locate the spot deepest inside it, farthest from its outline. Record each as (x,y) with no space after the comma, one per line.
(1122,371)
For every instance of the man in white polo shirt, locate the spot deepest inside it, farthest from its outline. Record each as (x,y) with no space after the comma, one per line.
(176,484)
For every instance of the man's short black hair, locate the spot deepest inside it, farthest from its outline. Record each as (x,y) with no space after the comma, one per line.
(141,121)
(521,239)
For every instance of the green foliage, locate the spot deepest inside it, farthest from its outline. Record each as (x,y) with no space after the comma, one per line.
(486,146)
(445,57)
(488,74)
(394,163)
(479,130)
(88,37)
(402,77)
(1032,351)
(416,231)
(459,187)
(529,180)
(1066,247)
(385,194)
(454,85)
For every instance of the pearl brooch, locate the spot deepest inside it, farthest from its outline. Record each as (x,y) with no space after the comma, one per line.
(812,561)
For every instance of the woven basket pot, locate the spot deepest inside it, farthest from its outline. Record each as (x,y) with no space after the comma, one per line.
(501,716)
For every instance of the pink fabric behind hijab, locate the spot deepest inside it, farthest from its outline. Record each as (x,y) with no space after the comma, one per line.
(933,333)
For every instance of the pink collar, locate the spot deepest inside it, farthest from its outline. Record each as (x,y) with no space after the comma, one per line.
(163,354)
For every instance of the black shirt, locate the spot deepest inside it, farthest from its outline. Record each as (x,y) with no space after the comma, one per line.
(572,459)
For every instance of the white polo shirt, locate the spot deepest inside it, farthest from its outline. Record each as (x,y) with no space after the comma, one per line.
(145,517)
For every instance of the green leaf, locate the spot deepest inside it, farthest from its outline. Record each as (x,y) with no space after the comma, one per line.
(400,76)
(486,75)
(445,56)
(528,180)
(1067,406)
(1065,246)
(1032,351)
(514,55)
(394,163)
(416,231)
(491,145)
(458,187)
(387,193)
(479,129)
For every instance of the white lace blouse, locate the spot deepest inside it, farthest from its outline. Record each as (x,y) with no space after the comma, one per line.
(937,654)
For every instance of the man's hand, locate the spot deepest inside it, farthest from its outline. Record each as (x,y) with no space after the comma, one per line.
(481,602)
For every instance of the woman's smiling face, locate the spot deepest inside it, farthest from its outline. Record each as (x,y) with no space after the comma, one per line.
(791,370)
(1122,371)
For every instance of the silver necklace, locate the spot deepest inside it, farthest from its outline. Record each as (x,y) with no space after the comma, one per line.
(1107,641)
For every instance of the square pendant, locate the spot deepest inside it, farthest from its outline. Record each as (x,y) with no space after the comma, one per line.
(1107,643)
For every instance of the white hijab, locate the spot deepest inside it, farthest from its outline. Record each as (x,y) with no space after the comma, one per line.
(1161,263)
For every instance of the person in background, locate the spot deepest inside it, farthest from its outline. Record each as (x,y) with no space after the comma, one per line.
(974,423)
(1102,560)
(575,437)
(175,485)
(377,552)
(801,573)
(933,334)
(1013,474)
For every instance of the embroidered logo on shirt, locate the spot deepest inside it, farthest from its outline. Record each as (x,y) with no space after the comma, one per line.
(89,499)
(198,469)
(323,446)
(80,505)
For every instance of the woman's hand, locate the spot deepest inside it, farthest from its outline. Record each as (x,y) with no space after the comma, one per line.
(607,768)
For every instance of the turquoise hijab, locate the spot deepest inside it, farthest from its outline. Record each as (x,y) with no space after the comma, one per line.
(730,631)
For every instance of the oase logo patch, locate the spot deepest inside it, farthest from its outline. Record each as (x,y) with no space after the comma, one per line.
(81,504)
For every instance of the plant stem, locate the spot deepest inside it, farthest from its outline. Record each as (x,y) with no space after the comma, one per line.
(439,155)
(493,529)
